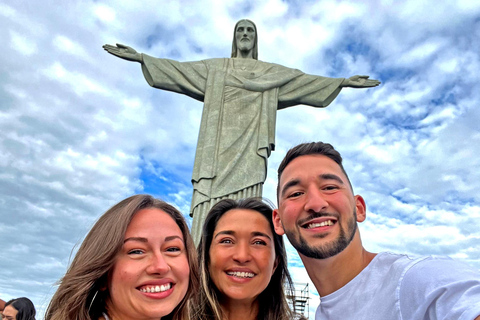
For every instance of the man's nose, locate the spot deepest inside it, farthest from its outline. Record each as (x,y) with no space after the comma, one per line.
(315,200)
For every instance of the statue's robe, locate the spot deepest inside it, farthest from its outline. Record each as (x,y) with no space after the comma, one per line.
(237,131)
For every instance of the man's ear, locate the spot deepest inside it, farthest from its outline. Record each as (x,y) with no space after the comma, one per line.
(277,223)
(361,208)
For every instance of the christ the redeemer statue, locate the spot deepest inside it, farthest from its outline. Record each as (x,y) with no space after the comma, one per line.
(241,96)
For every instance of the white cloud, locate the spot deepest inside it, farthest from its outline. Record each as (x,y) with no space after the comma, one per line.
(7,11)
(104,13)
(22,44)
(79,83)
(69,46)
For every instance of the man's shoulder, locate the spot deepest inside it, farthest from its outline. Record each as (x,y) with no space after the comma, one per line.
(437,271)
(410,287)
(421,269)
(395,261)
(439,285)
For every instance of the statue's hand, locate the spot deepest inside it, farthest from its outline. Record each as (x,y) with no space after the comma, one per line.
(360,82)
(124,52)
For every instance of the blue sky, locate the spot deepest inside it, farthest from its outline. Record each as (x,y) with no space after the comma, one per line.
(81,129)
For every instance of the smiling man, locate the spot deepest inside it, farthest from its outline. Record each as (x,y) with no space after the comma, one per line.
(319,212)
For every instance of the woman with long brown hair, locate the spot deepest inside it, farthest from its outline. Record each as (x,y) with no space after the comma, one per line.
(137,262)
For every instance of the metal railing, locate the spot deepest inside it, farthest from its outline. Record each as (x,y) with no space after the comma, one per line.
(298,301)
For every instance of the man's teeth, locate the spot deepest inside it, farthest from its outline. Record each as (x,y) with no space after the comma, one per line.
(163,287)
(241,274)
(320,224)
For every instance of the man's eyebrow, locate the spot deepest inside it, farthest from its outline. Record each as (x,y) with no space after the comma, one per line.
(290,184)
(331,176)
(324,176)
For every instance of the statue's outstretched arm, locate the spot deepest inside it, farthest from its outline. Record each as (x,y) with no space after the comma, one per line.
(124,52)
(359,82)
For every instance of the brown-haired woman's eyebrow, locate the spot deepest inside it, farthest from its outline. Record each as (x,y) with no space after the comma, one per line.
(140,239)
(170,238)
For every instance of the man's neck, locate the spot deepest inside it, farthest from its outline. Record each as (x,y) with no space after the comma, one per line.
(329,275)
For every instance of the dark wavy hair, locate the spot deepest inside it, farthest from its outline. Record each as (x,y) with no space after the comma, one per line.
(24,307)
(273,304)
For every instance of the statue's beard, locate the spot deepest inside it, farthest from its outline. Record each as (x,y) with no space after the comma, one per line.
(245,45)
(328,249)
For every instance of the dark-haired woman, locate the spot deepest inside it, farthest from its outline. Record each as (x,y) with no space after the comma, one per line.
(243,265)
(19,309)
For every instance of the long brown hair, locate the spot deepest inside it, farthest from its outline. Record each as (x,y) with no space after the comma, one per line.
(80,295)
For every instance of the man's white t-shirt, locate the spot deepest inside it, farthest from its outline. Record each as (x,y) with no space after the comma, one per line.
(396,286)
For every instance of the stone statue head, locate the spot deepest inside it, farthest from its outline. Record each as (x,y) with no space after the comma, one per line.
(244,37)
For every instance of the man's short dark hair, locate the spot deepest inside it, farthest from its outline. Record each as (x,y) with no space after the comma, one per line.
(310,148)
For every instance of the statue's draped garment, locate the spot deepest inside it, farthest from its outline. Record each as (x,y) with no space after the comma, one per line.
(237,130)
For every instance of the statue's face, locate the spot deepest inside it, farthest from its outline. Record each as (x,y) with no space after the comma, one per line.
(245,36)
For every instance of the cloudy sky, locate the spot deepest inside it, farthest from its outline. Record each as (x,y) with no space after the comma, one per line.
(81,129)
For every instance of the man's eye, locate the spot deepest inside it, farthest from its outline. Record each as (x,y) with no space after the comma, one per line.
(295,194)
(330,188)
